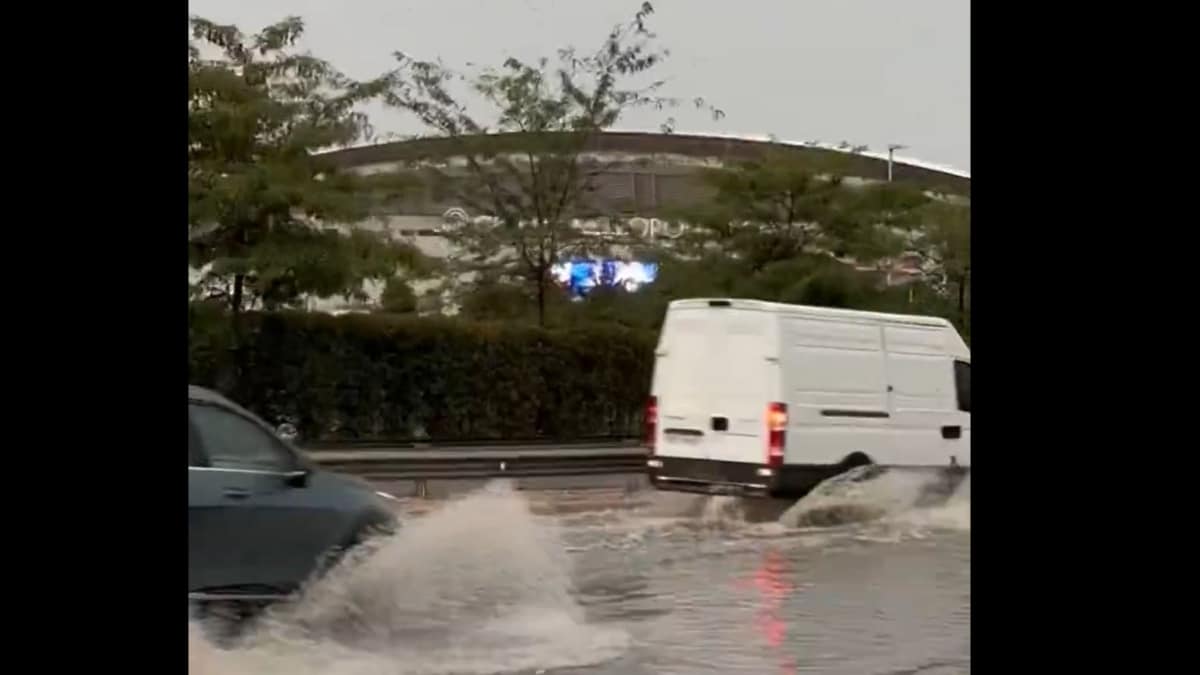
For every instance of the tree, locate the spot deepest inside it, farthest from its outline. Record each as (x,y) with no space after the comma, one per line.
(267,214)
(799,231)
(943,240)
(491,299)
(779,207)
(529,170)
(397,297)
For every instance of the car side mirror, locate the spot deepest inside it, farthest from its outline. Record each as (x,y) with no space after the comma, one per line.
(288,432)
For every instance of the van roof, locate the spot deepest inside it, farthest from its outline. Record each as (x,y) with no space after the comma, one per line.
(808,310)
(956,345)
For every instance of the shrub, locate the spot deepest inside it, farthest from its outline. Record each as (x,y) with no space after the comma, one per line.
(379,376)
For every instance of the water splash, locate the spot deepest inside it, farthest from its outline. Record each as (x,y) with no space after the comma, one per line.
(479,586)
(953,514)
(870,494)
(722,512)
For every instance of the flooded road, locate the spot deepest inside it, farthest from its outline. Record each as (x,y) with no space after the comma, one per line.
(853,579)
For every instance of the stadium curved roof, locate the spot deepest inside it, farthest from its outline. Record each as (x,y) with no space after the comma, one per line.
(863,164)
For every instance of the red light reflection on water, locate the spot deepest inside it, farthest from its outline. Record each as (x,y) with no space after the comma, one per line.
(771,580)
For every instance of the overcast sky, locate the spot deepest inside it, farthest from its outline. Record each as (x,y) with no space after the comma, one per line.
(871,72)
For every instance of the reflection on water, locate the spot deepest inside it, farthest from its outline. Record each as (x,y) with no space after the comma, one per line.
(772,581)
(682,586)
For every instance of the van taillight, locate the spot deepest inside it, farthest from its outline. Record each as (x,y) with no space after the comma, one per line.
(777,421)
(651,421)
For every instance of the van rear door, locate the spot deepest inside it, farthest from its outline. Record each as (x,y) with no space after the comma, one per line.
(713,381)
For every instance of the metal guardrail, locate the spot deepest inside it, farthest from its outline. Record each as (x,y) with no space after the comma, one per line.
(480,461)
(483,444)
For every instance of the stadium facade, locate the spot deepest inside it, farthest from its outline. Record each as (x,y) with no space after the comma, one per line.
(646,177)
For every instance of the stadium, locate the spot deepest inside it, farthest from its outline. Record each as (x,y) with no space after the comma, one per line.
(645,176)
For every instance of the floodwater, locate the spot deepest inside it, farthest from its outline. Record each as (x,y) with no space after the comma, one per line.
(852,579)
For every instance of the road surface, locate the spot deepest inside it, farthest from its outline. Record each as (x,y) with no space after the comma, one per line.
(851,580)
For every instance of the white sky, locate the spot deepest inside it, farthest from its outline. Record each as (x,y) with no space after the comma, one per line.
(871,72)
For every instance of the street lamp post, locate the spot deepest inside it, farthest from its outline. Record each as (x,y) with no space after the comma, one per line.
(891,157)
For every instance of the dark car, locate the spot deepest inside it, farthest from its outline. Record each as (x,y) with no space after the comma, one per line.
(262,518)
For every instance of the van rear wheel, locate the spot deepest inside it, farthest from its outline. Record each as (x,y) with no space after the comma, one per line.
(857,460)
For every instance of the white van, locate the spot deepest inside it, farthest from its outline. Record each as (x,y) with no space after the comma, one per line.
(767,399)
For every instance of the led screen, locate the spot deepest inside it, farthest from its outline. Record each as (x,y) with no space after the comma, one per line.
(581,276)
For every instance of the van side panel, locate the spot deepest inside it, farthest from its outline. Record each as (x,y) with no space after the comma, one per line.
(836,388)
(921,373)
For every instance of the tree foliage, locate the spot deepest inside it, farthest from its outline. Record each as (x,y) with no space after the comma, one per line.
(779,207)
(263,204)
(398,297)
(942,240)
(799,232)
(532,188)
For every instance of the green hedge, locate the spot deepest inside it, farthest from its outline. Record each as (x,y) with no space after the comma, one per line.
(372,376)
